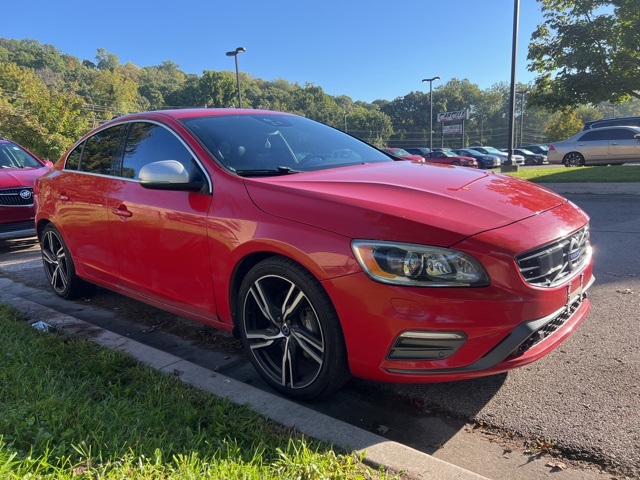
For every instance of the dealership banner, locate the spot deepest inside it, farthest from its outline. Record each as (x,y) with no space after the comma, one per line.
(451,129)
(453,116)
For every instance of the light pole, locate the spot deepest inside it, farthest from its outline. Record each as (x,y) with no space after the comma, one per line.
(234,53)
(522,94)
(512,95)
(430,80)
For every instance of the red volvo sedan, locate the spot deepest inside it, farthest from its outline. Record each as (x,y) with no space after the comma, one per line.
(327,257)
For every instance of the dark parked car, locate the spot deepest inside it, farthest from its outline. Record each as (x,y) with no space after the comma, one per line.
(18,170)
(484,161)
(531,158)
(418,150)
(504,156)
(598,146)
(537,149)
(613,122)
(326,256)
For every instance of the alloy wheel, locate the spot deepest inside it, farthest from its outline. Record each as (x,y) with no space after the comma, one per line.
(55,261)
(283,332)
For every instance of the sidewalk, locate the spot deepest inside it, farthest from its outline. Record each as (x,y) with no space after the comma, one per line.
(378,450)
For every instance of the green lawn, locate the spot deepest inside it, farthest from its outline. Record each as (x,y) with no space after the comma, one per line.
(626,173)
(72,409)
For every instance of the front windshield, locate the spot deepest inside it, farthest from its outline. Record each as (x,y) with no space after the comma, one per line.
(12,156)
(272,144)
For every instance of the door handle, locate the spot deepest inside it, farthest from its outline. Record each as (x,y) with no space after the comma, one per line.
(122,212)
(62,197)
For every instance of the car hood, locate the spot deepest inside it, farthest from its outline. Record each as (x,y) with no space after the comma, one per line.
(402,201)
(20,177)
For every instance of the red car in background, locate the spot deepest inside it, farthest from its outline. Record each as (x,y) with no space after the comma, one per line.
(450,158)
(404,155)
(326,256)
(18,170)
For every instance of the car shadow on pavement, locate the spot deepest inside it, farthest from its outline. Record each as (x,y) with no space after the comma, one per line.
(424,417)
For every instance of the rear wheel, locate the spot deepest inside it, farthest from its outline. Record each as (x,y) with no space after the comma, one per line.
(291,331)
(59,267)
(573,159)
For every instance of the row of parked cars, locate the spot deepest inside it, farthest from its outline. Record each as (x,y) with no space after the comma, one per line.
(474,156)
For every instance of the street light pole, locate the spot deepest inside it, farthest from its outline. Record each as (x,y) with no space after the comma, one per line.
(512,96)
(522,94)
(430,80)
(234,54)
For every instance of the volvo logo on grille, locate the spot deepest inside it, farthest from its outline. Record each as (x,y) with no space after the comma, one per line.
(25,194)
(574,253)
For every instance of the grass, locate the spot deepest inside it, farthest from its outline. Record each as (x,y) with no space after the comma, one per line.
(72,409)
(628,173)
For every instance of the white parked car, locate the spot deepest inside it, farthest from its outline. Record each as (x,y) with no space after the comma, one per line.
(517,159)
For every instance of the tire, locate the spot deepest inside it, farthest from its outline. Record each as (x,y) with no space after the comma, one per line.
(455,164)
(528,161)
(291,331)
(59,267)
(573,159)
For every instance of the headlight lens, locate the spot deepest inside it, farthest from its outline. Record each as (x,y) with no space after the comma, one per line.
(418,265)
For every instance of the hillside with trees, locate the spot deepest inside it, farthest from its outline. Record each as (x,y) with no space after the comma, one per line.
(48,99)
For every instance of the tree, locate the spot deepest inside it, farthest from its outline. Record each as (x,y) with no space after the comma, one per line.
(43,121)
(563,126)
(587,52)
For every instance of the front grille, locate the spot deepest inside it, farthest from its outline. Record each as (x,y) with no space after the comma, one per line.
(17,197)
(551,264)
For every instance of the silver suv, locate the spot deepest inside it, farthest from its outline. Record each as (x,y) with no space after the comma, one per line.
(598,146)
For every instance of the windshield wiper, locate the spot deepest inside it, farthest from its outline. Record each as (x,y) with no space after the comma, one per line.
(279,170)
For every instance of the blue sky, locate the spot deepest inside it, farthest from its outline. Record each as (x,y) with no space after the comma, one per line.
(367,50)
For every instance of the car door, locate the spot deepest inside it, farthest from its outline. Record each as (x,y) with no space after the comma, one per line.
(623,146)
(161,235)
(594,146)
(80,201)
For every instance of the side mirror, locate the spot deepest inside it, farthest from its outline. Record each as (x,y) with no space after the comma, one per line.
(167,175)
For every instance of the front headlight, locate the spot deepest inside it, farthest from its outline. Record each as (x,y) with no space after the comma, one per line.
(418,265)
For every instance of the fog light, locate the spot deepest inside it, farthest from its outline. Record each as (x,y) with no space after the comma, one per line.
(419,345)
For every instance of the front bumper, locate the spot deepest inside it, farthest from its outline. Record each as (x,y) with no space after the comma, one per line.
(421,335)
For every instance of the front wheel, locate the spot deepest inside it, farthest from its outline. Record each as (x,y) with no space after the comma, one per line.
(59,267)
(290,330)
(573,159)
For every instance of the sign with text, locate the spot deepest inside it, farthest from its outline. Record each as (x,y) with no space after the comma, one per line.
(453,116)
(451,129)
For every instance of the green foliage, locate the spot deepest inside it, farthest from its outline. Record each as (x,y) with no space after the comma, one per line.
(47,122)
(563,126)
(586,52)
(71,409)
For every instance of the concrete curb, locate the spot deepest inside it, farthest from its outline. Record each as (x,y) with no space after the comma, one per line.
(625,188)
(378,450)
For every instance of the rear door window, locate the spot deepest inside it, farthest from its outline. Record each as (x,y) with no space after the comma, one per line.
(595,136)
